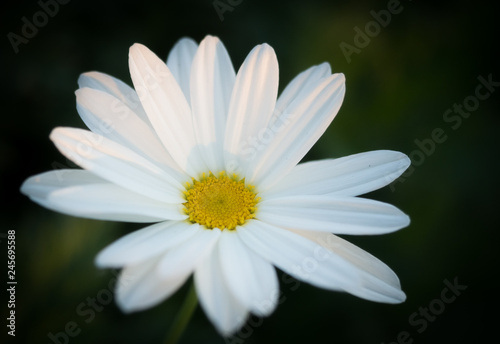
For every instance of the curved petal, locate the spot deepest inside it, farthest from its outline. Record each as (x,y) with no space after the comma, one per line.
(251,106)
(300,84)
(348,176)
(298,257)
(292,135)
(179,62)
(116,88)
(166,107)
(139,287)
(212,81)
(145,243)
(109,117)
(251,279)
(326,262)
(190,252)
(339,215)
(81,193)
(117,164)
(216,298)
(378,282)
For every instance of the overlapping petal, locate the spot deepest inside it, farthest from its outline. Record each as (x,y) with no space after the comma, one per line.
(117,164)
(302,123)
(108,116)
(348,176)
(251,279)
(116,88)
(334,214)
(212,81)
(300,84)
(251,106)
(377,281)
(166,107)
(139,287)
(179,62)
(81,193)
(147,283)
(325,261)
(216,298)
(146,243)
(190,252)
(302,259)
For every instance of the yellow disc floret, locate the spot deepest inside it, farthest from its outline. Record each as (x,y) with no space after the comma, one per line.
(220,202)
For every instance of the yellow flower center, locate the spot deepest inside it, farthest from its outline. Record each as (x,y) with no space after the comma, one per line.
(220,202)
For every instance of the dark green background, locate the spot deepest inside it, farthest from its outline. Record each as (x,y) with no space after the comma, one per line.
(398,87)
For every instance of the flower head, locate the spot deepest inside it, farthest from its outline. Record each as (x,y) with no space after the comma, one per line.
(211,157)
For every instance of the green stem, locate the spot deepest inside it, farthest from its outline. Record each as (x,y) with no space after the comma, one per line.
(183,317)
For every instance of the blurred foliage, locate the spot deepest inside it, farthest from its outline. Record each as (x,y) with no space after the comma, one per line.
(425,60)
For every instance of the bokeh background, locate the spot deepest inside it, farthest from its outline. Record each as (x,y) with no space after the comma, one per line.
(399,85)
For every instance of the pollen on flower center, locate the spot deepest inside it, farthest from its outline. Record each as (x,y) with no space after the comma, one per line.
(220,202)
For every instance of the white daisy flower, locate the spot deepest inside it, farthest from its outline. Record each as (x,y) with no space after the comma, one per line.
(211,157)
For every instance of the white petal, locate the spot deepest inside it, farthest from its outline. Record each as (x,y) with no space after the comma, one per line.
(109,117)
(145,243)
(339,215)
(81,193)
(117,164)
(298,257)
(216,298)
(348,176)
(293,134)
(251,279)
(166,107)
(378,282)
(212,81)
(252,103)
(300,84)
(115,87)
(43,184)
(139,286)
(179,62)
(188,254)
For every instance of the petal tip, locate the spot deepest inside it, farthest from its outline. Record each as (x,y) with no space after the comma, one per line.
(138,49)
(125,307)
(398,297)
(405,161)
(25,186)
(405,221)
